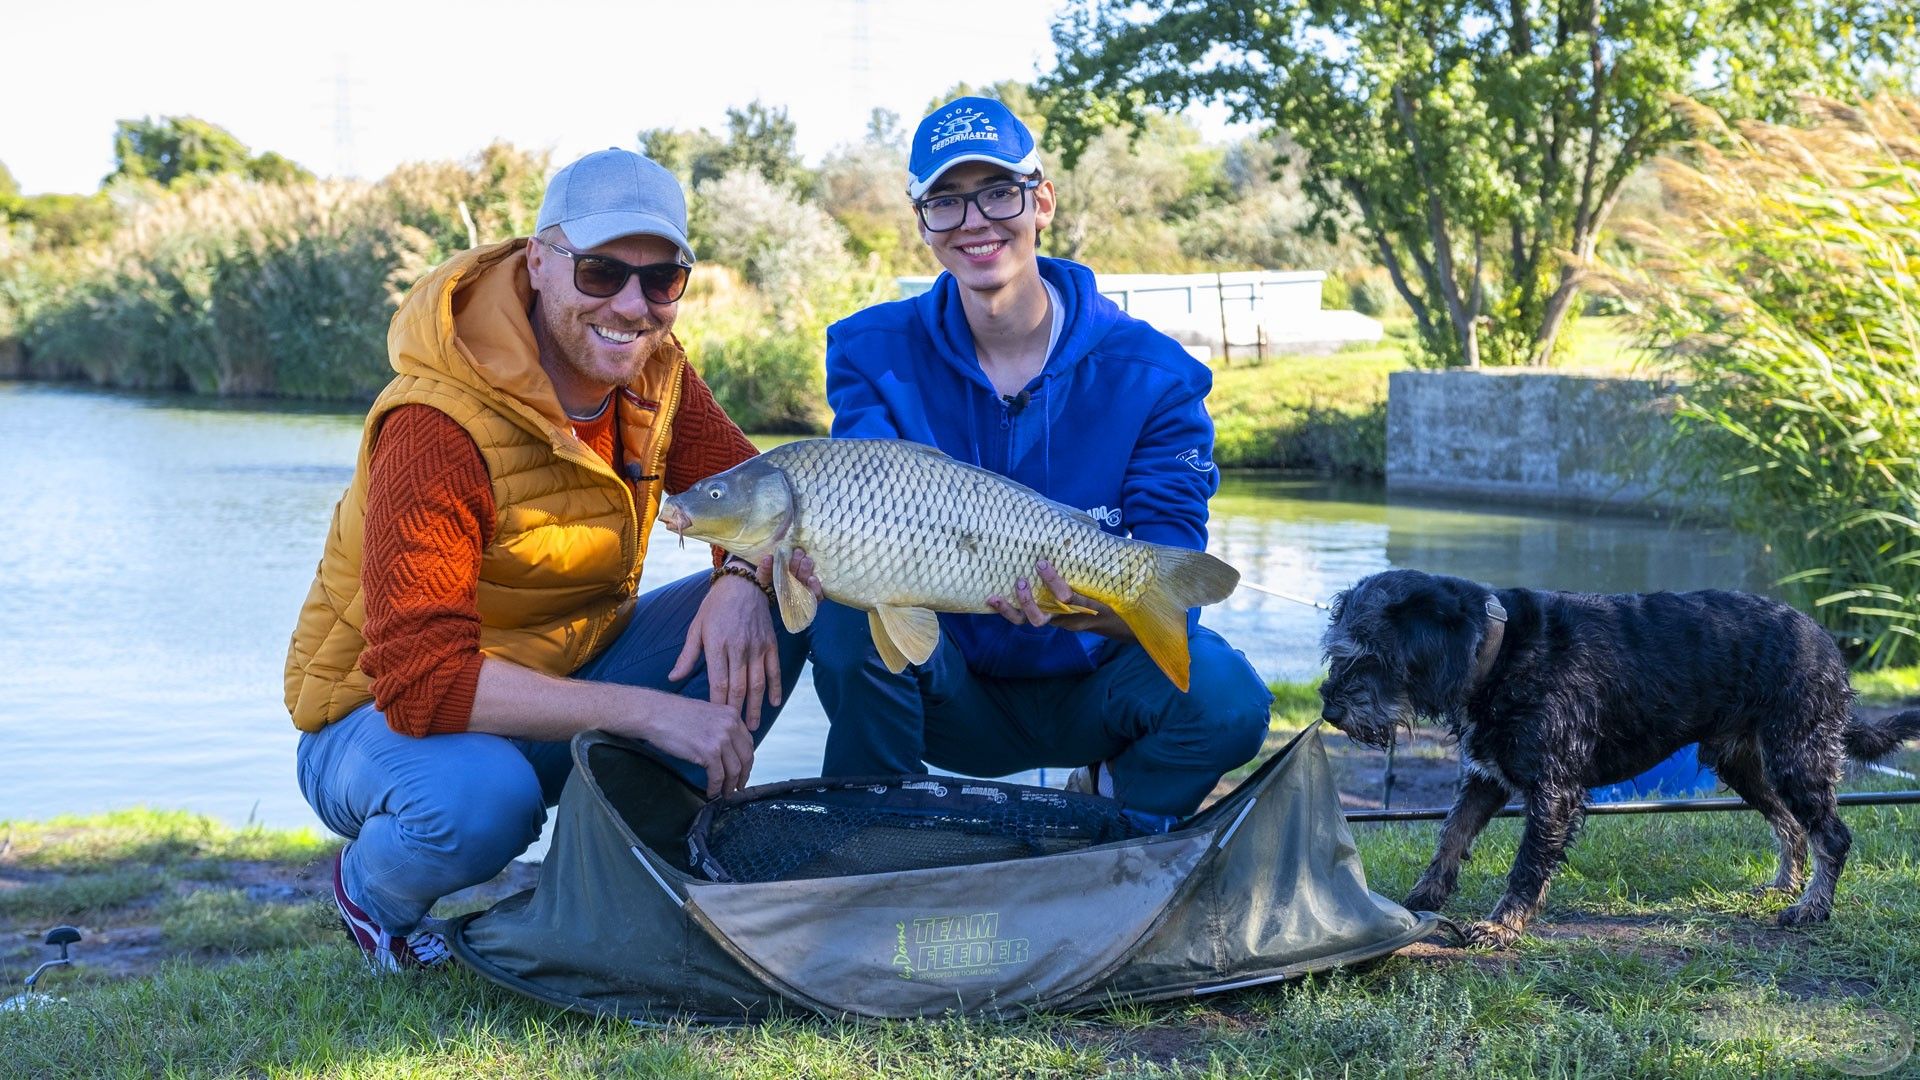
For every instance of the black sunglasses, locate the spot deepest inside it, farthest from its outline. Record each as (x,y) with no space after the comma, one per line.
(601,276)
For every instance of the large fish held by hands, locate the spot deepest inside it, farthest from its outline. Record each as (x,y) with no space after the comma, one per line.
(901,530)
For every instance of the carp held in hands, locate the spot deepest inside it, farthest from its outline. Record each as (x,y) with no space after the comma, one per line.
(900,530)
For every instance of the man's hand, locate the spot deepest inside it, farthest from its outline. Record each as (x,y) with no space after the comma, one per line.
(706,733)
(520,703)
(733,632)
(800,565)
(1022,610)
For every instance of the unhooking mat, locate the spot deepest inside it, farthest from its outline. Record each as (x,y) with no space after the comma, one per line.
(1263,885)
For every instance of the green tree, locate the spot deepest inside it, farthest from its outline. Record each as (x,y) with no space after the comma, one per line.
(271,168)
(762,139)
(759,139)
(65,221)
(173,149)
(863,186)
(1479,144)
(684,153)
(9,190)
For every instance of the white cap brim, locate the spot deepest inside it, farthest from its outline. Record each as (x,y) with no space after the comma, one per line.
(1022,167)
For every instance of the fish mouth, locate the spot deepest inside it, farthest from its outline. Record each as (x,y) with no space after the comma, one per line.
(676,520)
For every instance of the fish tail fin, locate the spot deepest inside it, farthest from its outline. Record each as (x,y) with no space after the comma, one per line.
(1182,579)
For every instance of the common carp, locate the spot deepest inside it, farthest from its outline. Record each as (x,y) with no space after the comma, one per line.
(901,530)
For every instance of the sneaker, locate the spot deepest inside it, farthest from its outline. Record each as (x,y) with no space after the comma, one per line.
(1094,779)
(422,949)
(1097,779)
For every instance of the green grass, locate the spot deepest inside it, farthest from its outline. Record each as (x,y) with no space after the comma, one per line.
(1888,686)
(226,920)
(1653,960)
(80,895)
(153,837)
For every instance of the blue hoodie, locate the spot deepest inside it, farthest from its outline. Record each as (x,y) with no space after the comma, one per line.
(1115,424)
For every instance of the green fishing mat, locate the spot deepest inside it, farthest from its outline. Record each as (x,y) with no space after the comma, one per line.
(1013,898)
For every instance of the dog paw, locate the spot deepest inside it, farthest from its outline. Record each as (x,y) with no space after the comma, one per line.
(1491,935)
(1424,900)
(1804,914)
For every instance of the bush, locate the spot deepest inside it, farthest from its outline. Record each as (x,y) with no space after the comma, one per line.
(238,286)
(755,327)
(234,287)
(1781,289)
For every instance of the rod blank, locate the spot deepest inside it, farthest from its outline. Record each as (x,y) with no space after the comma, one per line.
(1644,806)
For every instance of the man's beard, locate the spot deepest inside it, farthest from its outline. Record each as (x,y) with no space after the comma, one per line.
(577,347)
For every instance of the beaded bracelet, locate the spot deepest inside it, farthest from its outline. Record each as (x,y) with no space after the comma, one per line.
(734,569)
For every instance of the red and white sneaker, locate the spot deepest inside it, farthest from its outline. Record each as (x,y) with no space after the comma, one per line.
(422,949)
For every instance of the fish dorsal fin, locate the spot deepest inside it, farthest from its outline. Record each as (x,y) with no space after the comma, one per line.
(797,603)
(904,635)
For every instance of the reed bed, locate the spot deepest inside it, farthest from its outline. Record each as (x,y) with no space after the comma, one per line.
(1781,289)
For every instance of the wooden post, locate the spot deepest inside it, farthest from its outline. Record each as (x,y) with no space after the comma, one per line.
(1220,294)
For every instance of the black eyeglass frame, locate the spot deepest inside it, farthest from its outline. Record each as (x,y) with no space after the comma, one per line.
(627,271)
(1025,184)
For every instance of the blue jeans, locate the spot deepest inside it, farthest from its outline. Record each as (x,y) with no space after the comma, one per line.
(430,816)
(1167,749)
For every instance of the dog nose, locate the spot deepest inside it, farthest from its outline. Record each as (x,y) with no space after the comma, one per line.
(1332,713)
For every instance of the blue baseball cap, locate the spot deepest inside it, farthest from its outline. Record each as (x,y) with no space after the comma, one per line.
(969,129)
(613,193)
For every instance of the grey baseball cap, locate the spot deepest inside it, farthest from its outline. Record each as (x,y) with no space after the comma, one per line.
(613,193)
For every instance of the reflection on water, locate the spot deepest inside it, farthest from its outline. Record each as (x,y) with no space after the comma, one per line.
(157,551)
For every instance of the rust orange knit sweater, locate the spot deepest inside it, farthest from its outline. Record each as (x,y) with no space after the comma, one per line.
(430,515)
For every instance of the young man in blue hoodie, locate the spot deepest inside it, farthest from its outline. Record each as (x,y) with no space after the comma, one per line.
(1017,364)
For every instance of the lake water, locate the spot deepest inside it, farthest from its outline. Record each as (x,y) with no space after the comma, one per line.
(157,549)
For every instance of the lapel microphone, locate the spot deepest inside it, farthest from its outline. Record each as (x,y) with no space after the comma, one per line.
(1016,403)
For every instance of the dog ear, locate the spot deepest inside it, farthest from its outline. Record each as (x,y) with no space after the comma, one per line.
(1436,644)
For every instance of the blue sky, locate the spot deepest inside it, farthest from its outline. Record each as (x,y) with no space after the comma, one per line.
(433,80)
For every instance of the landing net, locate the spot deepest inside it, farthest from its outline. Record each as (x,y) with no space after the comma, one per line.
(815,829)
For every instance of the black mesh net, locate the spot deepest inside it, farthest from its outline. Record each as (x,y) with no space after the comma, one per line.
(815,828)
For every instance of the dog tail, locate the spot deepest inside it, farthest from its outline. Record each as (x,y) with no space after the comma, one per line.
(1870,739)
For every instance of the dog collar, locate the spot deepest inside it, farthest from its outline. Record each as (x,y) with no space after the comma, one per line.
(1490,644)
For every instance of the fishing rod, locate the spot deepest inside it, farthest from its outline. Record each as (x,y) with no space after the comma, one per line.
(1643,806)
(1307,600)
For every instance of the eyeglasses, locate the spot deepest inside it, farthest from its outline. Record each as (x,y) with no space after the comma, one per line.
(600,276)
(997,202)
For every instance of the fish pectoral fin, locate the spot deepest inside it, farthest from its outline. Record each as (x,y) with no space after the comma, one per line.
(797,603)
(883,642)
(912,632)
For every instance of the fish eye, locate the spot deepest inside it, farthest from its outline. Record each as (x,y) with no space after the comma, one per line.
(716,491)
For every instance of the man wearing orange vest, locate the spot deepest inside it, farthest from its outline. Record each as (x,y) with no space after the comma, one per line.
(476,603)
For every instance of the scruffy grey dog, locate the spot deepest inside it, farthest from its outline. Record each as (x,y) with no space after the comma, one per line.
(1551,693)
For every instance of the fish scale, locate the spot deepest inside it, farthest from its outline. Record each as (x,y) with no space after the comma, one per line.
(901,530)
(923,558)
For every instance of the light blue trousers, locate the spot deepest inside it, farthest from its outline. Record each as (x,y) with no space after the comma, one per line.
(434,815)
